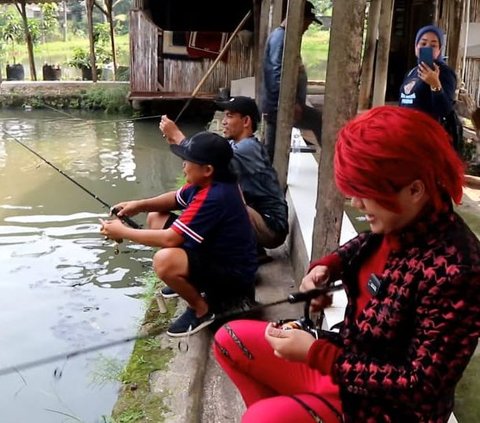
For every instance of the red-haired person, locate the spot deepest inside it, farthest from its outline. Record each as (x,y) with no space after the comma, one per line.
(412,320)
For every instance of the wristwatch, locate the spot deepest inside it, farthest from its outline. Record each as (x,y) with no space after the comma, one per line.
(436,89)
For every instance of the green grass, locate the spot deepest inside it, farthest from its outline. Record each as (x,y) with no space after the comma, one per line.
(59,53)
(315,53)
(136,403)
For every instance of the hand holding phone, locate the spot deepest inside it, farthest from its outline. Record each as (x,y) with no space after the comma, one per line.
(425,55)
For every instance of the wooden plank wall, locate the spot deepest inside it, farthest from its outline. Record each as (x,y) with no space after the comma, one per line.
(472,65)
(184,75)
(450,25)
(143,53)
(472,79)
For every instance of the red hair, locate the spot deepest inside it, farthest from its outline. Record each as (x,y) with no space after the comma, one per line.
(383,150)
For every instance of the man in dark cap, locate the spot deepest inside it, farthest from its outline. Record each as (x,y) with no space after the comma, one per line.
(210,248)
(305,117)
(266,204)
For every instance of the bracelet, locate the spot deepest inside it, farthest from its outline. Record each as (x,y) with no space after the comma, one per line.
(436,89)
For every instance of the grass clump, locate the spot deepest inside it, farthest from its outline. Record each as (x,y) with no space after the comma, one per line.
(136,402)
(112,100)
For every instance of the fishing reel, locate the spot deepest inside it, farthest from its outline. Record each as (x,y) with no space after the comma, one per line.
(304,323)
(308,323)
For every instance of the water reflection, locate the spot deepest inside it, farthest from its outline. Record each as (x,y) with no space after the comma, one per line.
(62,286)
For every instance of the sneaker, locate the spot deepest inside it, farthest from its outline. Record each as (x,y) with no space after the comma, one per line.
(188,323)
(168,292)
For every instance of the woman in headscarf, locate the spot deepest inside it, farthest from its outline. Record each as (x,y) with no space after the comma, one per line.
(412,282)
(431,90)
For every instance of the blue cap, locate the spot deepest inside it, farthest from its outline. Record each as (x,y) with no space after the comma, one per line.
(430,28)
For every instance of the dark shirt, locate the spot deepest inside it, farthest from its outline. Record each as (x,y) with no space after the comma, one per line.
(416,94)
(259,183)
(215,221)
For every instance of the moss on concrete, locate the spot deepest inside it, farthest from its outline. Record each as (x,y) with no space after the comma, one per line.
(111,97)
(136,402)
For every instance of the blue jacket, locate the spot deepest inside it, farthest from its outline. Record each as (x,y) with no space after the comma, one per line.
(272,71)
(416,94)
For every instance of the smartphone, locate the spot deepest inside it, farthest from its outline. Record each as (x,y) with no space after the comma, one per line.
(425,54)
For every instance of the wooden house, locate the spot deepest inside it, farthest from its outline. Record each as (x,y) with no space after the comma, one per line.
(173,44)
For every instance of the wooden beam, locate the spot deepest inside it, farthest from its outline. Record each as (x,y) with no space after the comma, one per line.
(383,51)
(276,13)
(341,104)
(288,84)
(28,39)
(263,31)
(454,36)
(369,54)
(89,5)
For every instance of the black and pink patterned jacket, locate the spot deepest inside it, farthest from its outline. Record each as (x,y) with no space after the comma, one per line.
(403,356)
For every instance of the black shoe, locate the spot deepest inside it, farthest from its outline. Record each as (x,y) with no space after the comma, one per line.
(188,323)
(168,292)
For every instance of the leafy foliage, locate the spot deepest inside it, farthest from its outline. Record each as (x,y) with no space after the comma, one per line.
(49,22)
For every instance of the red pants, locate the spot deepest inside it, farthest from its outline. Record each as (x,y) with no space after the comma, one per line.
(275,390)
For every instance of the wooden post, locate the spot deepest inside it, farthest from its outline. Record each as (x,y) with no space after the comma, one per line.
(288,85)
(65,20)
(263,30)
(89,5)
(28,38)
(383,50)
(341,101)
(454,36)
(276,13)
(109,6)
(369,55)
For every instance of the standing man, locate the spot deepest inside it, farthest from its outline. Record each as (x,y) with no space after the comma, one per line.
(305,117)
(266,204)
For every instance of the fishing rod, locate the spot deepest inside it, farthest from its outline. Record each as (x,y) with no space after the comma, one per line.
(212,66)
(292,298)
(130,222)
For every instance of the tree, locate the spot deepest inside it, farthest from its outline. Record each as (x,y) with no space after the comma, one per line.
(12,33)
(322,6)
(49,23)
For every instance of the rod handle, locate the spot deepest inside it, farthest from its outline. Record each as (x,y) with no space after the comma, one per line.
(129,221)
(298,297)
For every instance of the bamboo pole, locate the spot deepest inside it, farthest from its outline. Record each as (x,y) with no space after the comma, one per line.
(212,66)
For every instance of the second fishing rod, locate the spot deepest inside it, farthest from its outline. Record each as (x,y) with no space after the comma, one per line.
(129,221)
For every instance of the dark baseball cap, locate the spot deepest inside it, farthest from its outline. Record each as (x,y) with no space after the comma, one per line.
(309,13)
(205,148)
(241,104)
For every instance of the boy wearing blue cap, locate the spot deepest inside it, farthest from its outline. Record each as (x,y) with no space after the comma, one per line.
(210,248)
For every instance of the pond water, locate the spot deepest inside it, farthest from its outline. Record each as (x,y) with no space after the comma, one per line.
(62,287)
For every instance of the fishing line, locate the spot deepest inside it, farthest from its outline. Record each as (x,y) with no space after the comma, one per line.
(114,211)
(100,122)
(293,298)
